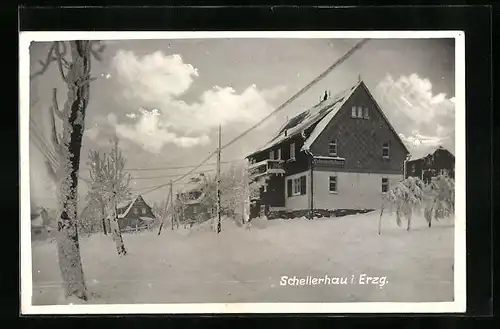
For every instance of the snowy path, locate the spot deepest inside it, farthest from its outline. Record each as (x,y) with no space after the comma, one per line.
(246,265)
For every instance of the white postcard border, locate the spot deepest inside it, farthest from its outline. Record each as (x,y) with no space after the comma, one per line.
(457,306)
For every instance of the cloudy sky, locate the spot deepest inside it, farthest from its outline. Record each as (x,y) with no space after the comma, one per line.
(166,98)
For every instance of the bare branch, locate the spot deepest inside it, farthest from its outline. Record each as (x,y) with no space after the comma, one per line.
(98,51)
(59,56)
(45,65)
(51,170)
(85,81)
(55,140)
(55,105)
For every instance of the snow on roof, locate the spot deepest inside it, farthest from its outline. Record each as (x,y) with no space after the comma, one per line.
(318,113)
(129,206)
(147,219)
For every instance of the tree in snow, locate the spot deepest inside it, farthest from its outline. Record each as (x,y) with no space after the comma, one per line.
(439,198)
(238,185)
(403,198)
(109,186)
(75,72)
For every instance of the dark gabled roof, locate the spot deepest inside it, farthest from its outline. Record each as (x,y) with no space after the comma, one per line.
(319,116)
(128,205)
(421,152)
(308,118)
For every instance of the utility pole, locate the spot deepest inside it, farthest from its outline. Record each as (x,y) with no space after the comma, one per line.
(172,204)
(164,211)
(218,183)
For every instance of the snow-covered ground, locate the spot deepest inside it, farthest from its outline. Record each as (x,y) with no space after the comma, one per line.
(239,265)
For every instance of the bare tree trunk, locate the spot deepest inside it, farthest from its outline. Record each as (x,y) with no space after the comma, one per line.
(410,212)
(78,96)
(115,232)
(380,221)
(104,228)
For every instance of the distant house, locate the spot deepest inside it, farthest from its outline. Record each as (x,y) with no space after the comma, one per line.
(193,202)
(338,156)
(430,163)
(135,214)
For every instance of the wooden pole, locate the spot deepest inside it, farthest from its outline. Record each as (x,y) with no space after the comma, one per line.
(218,184)
(164,213)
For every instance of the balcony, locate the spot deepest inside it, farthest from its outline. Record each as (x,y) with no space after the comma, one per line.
(267,167)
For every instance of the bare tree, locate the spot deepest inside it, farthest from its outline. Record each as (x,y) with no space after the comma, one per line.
(110,186)
(75,72)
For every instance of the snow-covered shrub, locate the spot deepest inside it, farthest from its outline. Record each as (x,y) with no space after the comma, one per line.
(440,198)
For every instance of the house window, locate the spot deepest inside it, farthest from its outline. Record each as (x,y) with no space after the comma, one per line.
(278,154)
(333,184)
(271,155)
(194,209)
(360,112)
(385,184)
(365,113)
(296,186)
(385,150)
(354,112)
(332,147)
(292,151)
(144,211)
(136,211)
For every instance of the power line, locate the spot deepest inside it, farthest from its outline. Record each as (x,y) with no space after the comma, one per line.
(279,108)
(300,92)
(180,167)
(169,176)
(183,176)
(49,154)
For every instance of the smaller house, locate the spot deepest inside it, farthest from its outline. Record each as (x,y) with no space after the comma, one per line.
(431,162)
(135,214)
(192,201)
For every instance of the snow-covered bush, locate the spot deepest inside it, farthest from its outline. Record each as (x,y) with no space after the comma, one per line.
(440,198)
(436,199)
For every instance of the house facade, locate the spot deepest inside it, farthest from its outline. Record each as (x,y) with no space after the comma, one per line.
(192,202)
(437,161)
(135,214)
(339,156)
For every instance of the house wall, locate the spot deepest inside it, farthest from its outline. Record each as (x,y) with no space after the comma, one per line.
(274,193)
(354,190)
(132,217)
(360,140)
(428,167)
(298,202)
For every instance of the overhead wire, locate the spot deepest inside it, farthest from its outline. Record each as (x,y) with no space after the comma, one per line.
(278,109)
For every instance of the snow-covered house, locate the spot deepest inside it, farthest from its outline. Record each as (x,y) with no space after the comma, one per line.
(192,200)
(428,162)
(340,155)
(135,214)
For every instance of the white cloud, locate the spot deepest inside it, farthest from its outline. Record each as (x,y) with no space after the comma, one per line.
(158,80)
(149,133)
(152,76)
(424,118)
